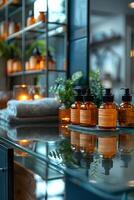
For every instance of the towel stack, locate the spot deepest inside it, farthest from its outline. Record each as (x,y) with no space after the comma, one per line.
(33,111)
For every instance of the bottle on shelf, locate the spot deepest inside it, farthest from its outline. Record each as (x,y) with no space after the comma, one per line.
(17,66)
(75,108)
(41,17)
(10,64)
(30,19)
(88,111)
(126,110)
(107,115)
(34,61)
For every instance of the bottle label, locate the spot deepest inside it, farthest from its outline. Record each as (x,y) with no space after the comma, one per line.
(107,117)
(130,116)
(85,116)
(75,116)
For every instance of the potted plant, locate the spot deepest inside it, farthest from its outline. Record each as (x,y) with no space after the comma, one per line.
(64,91)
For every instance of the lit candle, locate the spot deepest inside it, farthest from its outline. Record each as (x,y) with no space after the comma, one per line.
(23,97)
(65,119)
(37,96)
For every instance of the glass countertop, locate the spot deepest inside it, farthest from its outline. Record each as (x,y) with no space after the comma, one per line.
(98,161)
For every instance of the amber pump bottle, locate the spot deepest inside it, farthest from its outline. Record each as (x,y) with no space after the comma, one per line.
(88,111)
(107,115)
(75,108)
(126,110)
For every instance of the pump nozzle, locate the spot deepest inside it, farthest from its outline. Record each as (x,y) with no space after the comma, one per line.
(88,96)
(108,97)
(126,96)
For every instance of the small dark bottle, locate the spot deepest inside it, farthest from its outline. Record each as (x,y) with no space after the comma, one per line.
(126,110)
(107,115)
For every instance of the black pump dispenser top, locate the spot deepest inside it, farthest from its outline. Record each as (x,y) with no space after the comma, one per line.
(88,96)
(78,96)
(108,97)
(36,51)
(127,96)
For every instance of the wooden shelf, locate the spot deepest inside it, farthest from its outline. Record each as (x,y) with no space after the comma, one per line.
(23,73)
(39,27)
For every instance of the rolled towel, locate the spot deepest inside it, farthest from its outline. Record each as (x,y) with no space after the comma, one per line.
(33,108)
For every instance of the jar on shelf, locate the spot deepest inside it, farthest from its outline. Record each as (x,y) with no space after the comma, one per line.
(43,63)
(27,66)
(4,30)
(30,19)
(51,61)
(11,28)
(41,17)
(10,65)
(34,61)
(17,66)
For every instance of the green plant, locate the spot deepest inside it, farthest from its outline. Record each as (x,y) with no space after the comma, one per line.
(63,89)
(4,50)
(7,50)
(96,87)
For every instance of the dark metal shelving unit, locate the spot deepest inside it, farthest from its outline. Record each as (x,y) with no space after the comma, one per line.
(43,30)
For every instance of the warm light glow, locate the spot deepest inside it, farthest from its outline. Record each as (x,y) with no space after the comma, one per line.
(132,53)
(24,142)
(65,119)
(131,5)
(23,97)
(36,97)
(23,86)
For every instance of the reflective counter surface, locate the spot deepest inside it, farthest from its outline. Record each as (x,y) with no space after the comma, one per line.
(99,161)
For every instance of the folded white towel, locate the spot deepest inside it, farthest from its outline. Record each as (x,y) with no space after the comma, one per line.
(33,108)
(6,118)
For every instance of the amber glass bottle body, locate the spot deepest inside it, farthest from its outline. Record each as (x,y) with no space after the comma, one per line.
(88,114)
(108,115)
(126,114)
(75,112)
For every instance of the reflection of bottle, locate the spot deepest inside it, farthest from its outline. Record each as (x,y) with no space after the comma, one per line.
(75,108)
(126,110)
(126,146)
(107,146)
(75,140)
(107,116)
(87,143)
(63,129)
(86,160)
(126,143)
(107,164)
(88,111)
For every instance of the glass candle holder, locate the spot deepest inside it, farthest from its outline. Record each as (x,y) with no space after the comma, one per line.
(21,92)
(36,92)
